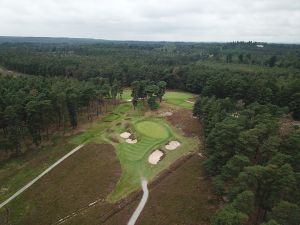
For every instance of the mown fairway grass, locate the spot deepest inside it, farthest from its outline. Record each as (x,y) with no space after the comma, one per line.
(179,99)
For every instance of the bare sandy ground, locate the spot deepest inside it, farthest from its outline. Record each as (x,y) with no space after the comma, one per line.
(189,101)
(172,145)
(155,157)
(166,114)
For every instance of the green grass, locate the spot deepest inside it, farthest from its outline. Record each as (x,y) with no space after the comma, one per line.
(126,94)
(152,133)
(111,117)
(152,129)
(179,99)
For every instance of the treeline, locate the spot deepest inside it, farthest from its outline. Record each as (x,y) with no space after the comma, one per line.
(253,158)
(33,107)
(262,87)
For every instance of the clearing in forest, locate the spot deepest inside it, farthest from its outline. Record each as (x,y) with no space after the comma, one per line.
(151,130)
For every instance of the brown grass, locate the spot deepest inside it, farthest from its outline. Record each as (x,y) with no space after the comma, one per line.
(87,176)
(181,197)
(184,120)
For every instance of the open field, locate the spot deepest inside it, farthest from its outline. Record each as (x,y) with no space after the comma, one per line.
(92,183)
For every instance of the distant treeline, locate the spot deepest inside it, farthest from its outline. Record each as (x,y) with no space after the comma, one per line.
(240,70)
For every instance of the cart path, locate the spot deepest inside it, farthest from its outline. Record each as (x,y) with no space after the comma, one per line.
(142,203)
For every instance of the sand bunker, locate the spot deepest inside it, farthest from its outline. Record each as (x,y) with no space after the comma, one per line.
(125,135)
(166,114)
(189,101)
(131,141)
(172,145)
(155,157)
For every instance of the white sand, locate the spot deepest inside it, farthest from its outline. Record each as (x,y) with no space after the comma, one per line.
(131,141)
(155,157)
(172,145)
(125,135)
(166,114)
(190,101)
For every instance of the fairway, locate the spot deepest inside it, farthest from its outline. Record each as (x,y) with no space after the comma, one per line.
(152,129)
(182,99)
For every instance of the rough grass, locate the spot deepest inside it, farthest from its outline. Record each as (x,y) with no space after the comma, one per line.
(19,171)
(68,187)
(183,197)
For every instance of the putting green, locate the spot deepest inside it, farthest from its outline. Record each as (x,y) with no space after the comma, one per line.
(152,129)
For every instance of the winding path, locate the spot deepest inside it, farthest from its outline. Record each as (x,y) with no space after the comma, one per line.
(142,203)
(40,176)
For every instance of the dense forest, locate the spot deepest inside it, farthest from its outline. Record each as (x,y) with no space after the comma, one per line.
(249,105)
(32,107)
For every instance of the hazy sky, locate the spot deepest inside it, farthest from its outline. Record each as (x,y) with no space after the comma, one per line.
(172,20)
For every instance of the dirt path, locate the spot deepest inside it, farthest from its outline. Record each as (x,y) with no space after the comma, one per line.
(142,203)
(40,176)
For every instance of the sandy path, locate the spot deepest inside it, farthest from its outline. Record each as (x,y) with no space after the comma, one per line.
(40,176)
(142,203)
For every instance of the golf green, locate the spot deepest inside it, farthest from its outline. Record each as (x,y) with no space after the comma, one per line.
(152,129)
